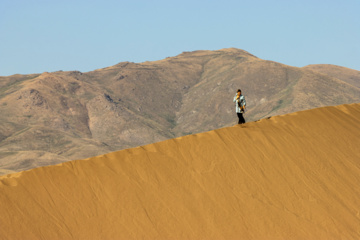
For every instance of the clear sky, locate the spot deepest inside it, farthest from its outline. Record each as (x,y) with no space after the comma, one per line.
(51,35)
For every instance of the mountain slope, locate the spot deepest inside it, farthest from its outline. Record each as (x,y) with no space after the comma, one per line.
(348,75)
(54,117)
(294,176)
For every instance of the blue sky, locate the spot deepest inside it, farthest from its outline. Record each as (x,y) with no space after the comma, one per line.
(84,35)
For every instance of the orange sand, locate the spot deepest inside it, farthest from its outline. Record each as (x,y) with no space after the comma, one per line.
(295,176)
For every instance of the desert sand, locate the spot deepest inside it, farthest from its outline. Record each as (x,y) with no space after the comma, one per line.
(295,176)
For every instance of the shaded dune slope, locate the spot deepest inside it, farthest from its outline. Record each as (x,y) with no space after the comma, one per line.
(294,176)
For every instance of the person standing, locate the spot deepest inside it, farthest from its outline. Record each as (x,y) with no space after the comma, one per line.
(240,101)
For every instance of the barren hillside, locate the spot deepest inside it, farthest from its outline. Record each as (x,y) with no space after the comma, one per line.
(348,75)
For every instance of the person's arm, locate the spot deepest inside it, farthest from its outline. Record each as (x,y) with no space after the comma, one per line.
(235,99)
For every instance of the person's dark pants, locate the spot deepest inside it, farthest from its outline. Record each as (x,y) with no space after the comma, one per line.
(241,118)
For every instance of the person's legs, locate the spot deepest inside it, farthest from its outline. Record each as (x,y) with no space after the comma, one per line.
(241,118)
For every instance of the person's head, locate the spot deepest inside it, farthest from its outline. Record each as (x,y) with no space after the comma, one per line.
(239,91)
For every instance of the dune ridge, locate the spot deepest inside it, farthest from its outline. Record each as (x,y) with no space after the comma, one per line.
(294,176)
(55,117)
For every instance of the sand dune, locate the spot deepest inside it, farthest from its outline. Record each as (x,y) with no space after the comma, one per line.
(295,176)
(50,118)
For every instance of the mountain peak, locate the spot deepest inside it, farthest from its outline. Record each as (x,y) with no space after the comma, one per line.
(234,50)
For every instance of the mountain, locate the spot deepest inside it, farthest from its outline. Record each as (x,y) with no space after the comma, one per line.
(54,117)
(294,176)
(348,75)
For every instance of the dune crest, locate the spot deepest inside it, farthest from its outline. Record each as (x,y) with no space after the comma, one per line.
(55,117)
(294,176)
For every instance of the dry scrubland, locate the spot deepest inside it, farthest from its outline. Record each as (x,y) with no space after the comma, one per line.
(295,176)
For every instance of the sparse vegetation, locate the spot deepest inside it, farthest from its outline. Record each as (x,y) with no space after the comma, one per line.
(171,120)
